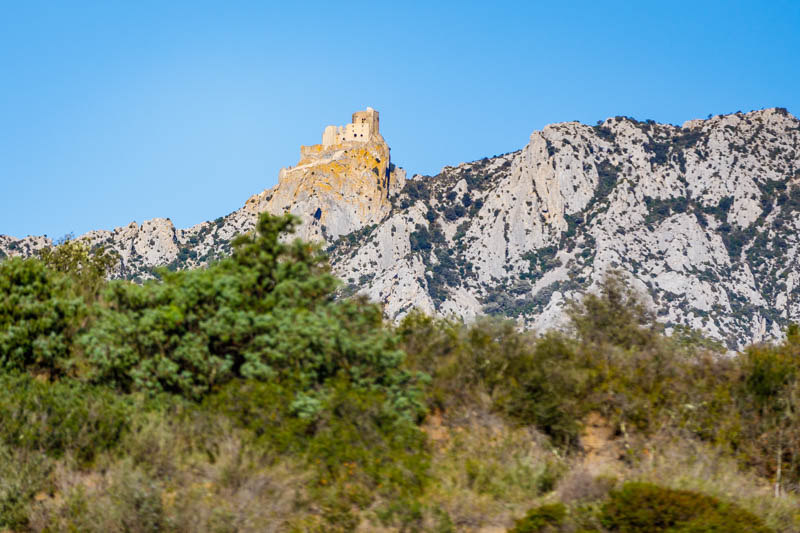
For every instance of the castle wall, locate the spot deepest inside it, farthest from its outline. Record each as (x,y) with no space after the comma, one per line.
(356,132)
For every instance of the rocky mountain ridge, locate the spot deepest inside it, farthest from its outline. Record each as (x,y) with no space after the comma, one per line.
(703,218)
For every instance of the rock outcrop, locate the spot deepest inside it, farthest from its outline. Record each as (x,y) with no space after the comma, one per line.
(704,219)
(334,189)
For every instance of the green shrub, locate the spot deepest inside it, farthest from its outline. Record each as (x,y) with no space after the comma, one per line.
(769,374)
(547,387)
(646,508)
(463,361)
(61,417)
(617,316)
(87,268)
(39,316)
(616,362)
(541,519)
(44,304)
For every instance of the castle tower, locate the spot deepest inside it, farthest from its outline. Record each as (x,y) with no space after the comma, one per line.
(368,117)
(329,136)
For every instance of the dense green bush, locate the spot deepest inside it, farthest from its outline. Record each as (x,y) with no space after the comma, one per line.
(646,508)
(45,303)
(39,316)
(616,362)
(62,417)
(463,361)
(548,388)
(266,313)
(259,335)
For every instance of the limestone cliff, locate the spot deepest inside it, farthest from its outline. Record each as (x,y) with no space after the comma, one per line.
(704,219)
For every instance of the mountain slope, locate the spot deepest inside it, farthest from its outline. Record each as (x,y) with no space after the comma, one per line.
(703,218)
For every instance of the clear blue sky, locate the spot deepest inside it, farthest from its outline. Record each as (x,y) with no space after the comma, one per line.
(119,111)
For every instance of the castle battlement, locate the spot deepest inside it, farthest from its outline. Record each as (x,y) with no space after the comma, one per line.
(365,125)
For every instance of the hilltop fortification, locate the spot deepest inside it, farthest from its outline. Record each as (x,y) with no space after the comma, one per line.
(338,186)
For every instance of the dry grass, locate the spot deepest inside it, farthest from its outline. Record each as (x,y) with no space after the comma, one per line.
(166,482)
(487,472)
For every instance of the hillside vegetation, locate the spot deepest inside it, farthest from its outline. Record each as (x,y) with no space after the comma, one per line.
(246,397)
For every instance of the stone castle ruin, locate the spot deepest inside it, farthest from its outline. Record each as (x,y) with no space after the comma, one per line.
(365,125)
(338,186)
(364,129)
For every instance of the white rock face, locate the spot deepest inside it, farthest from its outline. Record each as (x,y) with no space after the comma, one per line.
(703,218)
(11,247)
